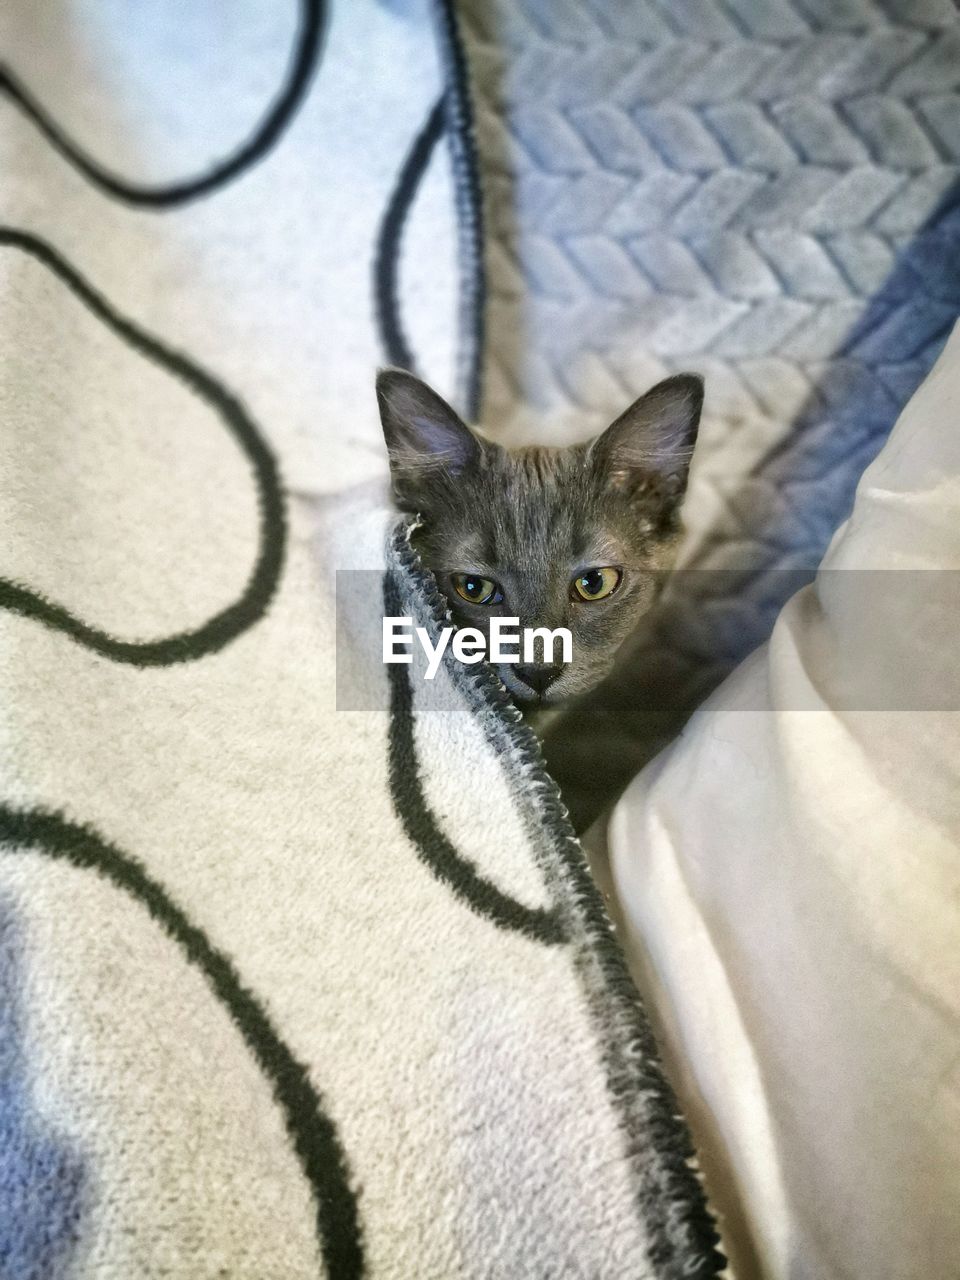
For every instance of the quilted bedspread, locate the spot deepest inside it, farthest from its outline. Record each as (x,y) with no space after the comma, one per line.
(765,191)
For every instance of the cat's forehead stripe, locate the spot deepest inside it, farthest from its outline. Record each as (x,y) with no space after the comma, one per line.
(471,551)
(598,551)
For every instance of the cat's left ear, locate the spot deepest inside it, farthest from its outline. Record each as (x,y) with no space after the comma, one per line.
(425,438)
(647,451)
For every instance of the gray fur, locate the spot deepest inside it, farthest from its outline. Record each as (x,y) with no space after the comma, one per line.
(532,519)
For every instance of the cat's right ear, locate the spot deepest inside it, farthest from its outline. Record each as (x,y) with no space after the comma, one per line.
(425,437)
(646,453)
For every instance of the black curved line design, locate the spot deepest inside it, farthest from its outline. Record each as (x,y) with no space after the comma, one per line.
(435,850)
(280,113)
(659,1149)
(658,1146)
(236,618)
(312,1132)
(466,178)
(386,262)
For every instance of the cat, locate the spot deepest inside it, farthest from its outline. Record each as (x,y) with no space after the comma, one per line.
(574,537)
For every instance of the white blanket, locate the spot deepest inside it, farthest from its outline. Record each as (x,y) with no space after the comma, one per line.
(797,924)
(285,989)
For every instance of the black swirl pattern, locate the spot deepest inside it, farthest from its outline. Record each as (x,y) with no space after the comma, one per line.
(386,262)
(312,1132)
(187,646)
(165,196)
(434,848)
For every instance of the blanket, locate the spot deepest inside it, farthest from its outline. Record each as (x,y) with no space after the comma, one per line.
(766,192)
(301,969)
(825,841)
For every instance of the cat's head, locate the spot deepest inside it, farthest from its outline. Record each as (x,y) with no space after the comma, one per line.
(574,537)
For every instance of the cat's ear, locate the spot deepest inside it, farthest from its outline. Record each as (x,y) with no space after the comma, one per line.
(647,451)
(425,437)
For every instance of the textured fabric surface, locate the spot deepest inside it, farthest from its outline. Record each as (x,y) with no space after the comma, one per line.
(286,990)
(812,889)
(764,191)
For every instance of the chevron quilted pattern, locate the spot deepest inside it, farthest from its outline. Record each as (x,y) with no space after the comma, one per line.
(762,190)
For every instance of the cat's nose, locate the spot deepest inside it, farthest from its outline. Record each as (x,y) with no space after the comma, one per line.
(539,678)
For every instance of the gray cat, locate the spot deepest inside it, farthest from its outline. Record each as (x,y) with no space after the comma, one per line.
(575,537)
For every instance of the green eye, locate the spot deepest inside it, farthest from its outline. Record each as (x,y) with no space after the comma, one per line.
(476,590)
(596,584)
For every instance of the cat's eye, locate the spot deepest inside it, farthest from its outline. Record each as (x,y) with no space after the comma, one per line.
(475,589)
(596,584)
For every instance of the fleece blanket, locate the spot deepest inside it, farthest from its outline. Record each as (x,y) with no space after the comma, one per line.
(301,971)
